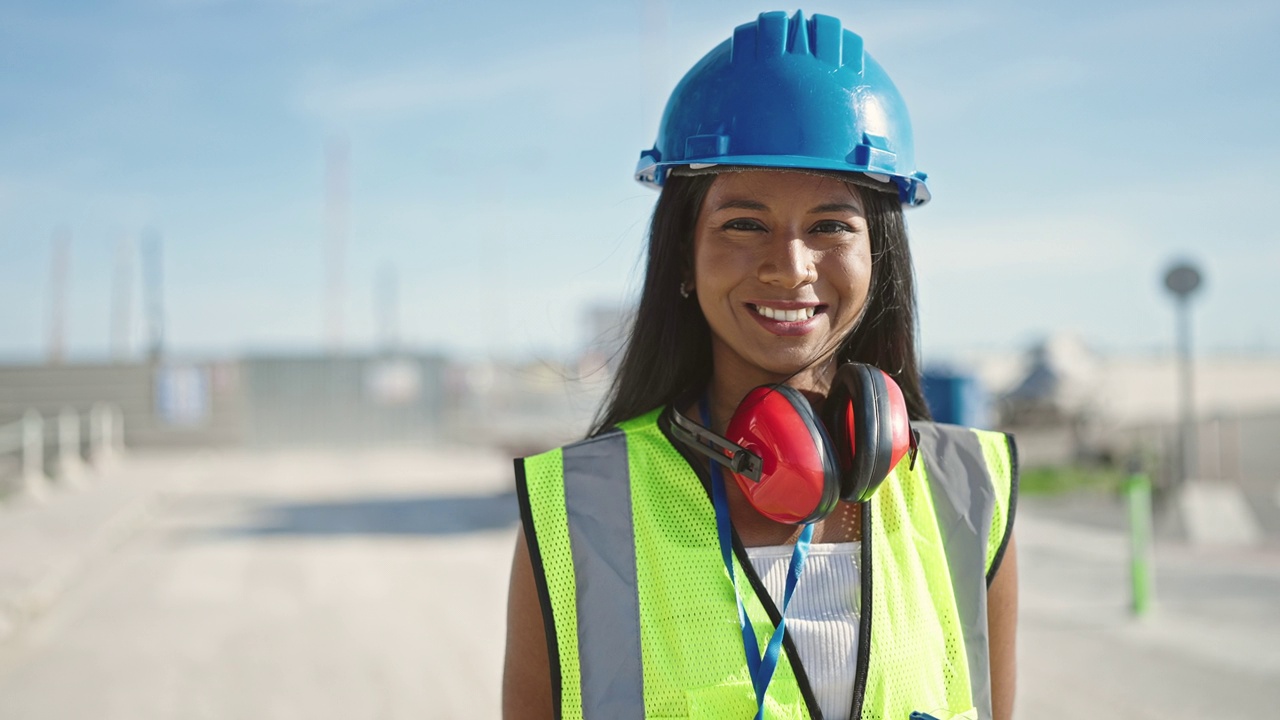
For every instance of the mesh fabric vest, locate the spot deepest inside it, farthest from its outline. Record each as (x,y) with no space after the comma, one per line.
(640,612)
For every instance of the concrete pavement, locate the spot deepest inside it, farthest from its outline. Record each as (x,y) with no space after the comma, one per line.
(285,585)
(373,584)
(1209,648)
(47,544)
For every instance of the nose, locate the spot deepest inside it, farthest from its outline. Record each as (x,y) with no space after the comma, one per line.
(789,263)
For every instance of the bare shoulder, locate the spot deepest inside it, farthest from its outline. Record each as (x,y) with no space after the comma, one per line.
(526,677)
(1002,626)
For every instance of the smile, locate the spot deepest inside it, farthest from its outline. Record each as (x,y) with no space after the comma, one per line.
(788,315)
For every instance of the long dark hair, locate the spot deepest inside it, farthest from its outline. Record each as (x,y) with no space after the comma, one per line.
(668,351)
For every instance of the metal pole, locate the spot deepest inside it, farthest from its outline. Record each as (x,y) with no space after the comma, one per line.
(337,196)
(58,295)
(1188,434)
(122,299)
(153,273)
(1182,280)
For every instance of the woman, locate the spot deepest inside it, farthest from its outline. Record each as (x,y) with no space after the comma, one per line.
(646,583)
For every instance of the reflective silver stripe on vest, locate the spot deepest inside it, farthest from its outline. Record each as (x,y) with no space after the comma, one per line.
(602,540)
(964,503)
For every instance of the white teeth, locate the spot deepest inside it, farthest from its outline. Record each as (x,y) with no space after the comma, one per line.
(786,315)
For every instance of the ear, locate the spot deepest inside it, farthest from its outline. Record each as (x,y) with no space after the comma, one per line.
(687,277)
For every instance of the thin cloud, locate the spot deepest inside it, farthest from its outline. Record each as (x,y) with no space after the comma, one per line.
(556,75)
(1033,243)
(360,7)
(1189,19)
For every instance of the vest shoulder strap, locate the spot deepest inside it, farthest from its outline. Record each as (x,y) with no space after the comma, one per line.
(974,483)
(576,503)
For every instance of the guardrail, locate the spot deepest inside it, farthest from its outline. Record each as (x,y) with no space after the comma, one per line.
(34,440)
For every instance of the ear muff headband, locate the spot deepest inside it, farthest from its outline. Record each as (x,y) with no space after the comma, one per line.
(736,458)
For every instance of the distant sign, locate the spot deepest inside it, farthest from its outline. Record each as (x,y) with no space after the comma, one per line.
(1182,279)
(182,395)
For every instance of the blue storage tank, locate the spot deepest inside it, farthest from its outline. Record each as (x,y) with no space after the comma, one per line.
(957,398)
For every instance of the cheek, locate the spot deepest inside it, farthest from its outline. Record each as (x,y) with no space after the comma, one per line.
(701,263)
(862,276)
(716,267)
(853,267)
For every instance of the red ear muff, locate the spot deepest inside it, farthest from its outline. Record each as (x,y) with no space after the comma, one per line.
(793,466)
(867,417)
(800,475)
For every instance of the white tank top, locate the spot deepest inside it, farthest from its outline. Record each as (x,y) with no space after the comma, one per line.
(823,617)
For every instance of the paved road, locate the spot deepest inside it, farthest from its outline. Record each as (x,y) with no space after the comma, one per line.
(287,586)
(373,585)
(1210,648)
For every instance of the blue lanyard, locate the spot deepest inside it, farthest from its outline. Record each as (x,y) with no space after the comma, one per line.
(761,668)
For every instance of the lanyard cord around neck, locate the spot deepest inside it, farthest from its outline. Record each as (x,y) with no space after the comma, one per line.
(761,668)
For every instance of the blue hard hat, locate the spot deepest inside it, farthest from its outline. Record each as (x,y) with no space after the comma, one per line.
(788,93)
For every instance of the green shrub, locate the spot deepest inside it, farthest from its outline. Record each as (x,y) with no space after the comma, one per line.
(1059,480)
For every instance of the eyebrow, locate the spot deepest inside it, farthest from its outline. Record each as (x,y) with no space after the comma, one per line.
(754,205)
(836,207)
(743,205)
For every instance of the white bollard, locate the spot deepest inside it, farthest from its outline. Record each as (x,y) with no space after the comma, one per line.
(117,429)
(70,467)
(34,483)
(101,444)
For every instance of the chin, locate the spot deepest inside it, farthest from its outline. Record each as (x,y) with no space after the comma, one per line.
(771,361)
(789,364)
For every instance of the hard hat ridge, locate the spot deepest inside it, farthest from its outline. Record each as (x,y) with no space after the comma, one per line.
(821,37)
(788,92)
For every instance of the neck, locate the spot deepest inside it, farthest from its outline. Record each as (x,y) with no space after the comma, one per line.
(728,388)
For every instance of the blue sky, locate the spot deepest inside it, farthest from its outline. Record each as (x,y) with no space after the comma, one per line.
(1074,149)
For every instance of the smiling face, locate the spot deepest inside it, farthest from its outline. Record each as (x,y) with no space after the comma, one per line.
(782,269)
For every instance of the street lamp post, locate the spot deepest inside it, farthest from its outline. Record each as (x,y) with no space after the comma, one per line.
(1182,280)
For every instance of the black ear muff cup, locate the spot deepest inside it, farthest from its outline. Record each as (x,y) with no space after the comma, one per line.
(822,442)
(857,414)
(880,437)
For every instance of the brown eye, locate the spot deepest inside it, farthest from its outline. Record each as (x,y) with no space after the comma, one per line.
(830,227)
(743,225)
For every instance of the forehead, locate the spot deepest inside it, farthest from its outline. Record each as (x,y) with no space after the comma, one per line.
(779,189)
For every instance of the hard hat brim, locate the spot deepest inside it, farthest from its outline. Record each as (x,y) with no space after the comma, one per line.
(910,189)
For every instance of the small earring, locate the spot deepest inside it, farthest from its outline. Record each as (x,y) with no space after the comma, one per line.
(684,291)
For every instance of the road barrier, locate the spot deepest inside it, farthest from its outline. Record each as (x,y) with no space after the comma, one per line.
(32,439)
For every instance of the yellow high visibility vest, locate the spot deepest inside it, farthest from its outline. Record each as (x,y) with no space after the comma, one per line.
(640,612)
